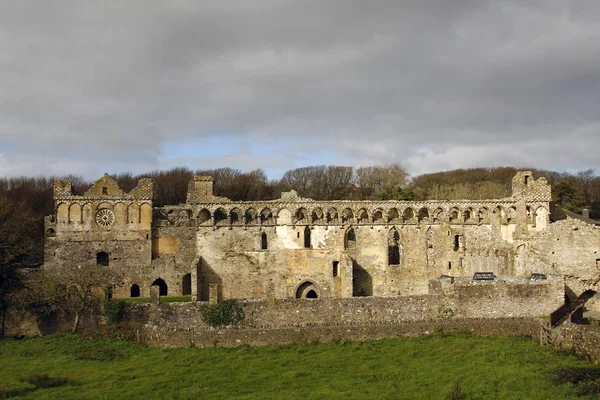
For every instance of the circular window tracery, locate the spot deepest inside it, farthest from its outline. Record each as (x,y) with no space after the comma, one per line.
(105,217)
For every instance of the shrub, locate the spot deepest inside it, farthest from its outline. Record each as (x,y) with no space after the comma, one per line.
(114,311)
(228,312)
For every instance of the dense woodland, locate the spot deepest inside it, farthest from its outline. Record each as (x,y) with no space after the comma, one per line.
(31,197)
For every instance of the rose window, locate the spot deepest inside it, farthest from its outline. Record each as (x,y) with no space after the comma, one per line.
(105,217)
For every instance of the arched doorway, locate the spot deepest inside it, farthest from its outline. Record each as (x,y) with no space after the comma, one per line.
(186,285)
(307,290)
(135,291)
(162,285)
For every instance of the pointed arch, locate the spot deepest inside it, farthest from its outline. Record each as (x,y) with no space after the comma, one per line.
(301,216)
(347,216)
(454,216)
(408,216)
(203,217)
(511,215)
(220,216)
(332,216)
(363,216)
(423,215)
(316,216)
(266,216)
(251,216)
(235,216)
(393,216)
(438,216)
(284,217)
(378,216)
(483,215)
(163,289)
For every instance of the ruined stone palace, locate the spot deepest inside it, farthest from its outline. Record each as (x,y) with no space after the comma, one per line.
(213,248)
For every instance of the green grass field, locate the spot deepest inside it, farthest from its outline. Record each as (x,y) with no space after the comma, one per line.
(71,367)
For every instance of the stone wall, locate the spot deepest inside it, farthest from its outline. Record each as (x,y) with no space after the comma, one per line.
(459,306)
(583,340)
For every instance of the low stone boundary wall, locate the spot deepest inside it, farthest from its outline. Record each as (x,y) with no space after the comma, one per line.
(307,334)
(583,340)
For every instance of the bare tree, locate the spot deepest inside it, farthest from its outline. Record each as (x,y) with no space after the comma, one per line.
(381,182)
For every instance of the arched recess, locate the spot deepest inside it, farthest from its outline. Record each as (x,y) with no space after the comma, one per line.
(438,216)
(378,217)
(133,213)
(541,218)
(203,217)
(497,216)
(529,215)
(62,213)
(134,291)
(393,247)
(120,214)
(145,216)
(454,216)
(251,216)
(162,286)
(362,282)
(301,216)
(220,217)
(307,290)
(306,237)
(350,238)
(284,217)
(363,216)
(75,213)
(393,216)
(316,216)
(235,216)
(468,215)
(423,215)
(347,216)
(266,216)
(50,232)
(408,216)
(332,216)
(186,285)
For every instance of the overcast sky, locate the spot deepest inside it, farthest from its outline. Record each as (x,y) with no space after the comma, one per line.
(89,87)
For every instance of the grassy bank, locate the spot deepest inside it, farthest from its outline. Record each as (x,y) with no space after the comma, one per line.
(71,367)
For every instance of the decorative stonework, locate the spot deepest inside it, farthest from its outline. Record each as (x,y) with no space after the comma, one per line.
(105,218)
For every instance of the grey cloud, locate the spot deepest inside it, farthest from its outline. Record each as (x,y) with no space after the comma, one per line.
(430,84)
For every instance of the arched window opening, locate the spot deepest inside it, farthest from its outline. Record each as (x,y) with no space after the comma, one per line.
(263,241)
(393,215)
(317,216)
(408,215)
(234,216)
(252,217)
(135,291)
(203,217)
(378,216)
(454,216)
(266,216)
(332,216)
(102,259)
(307,237)
(186,285)
(363,217)
(50,232)
(307,290)
(394,247)
(350,239)
(162,286)
(347,216)
(220,217)
(424,215)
